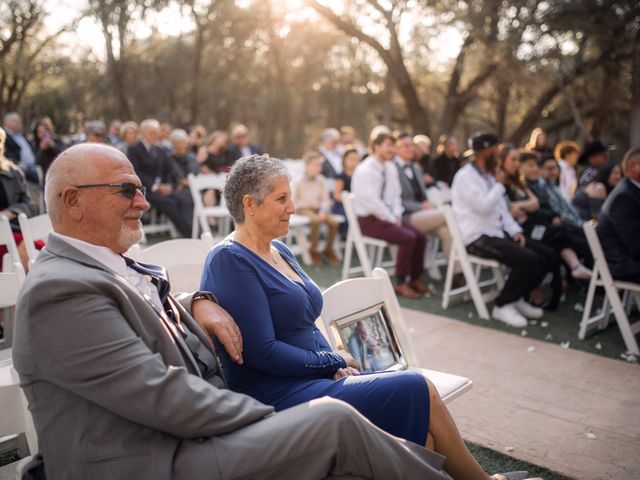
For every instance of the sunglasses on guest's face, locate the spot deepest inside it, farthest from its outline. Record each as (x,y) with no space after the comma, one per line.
(127,190)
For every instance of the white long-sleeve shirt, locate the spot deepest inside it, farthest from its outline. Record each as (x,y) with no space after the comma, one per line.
(568,180)
(479,206)
(367,183)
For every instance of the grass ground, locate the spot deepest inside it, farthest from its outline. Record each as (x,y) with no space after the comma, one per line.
(559,327)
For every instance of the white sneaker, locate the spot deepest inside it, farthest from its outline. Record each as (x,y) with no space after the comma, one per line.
(581,273)
(528,310)
(509,314)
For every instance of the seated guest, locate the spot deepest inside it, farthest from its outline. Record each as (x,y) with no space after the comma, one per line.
(349,140)
(213,156)
(418,212)
(46,143)
(328,148)
(197,136)
(488,230)
(287,361)
(129,136)
(18,149)
(113,137)
(550,195)
(14,200)
(311,197)
(619,223)
(594,156)
(240,146)
(423,144)
(350,161)
(542,223)
(126,373)
(184,161)
(95,131)
(444,167)
(538,143)
(589,198)
(567,154)
(160,178)
(378,205)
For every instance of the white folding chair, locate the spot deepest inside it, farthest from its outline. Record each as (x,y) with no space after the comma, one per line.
(157,223)
(601,277)
(467,263)
(357,295)
(434,258)
(16,425)
(11,279)
(363,245)
(34,228)
(182,257)
(201,213)
(296,239)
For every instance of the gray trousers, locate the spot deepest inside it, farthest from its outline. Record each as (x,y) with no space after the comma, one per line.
(320,439)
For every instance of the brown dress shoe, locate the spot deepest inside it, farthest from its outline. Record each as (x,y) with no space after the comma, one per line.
(331,257)
(315,257)
(404,290)
(418,286)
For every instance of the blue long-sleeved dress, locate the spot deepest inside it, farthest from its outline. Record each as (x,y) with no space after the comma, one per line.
(287,360)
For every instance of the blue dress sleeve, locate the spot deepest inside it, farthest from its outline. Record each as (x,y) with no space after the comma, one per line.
(235,282)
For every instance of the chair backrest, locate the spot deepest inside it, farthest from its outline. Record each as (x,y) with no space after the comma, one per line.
(12,274)
(34,228)
(183,258)
(352,218)
(295,167)
(15,418)
(456,238)
(201,213)
(439,196)
(358,294)
(600,265)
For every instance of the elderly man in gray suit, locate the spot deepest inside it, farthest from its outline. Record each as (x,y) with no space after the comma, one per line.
(122,379)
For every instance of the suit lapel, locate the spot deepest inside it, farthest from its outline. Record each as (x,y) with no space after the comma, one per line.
(62,249)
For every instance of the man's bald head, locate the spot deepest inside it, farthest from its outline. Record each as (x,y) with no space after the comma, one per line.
(90,197)
(81,164)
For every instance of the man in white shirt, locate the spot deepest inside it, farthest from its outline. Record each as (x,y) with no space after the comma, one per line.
(378,205)
(488,230)
(18,148)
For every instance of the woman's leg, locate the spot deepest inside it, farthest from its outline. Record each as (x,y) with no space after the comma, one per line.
(446,440)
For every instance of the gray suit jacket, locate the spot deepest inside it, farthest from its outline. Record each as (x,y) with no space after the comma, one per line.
(410,202)
(113,391)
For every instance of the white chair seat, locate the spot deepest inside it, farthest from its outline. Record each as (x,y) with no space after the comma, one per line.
(356,295)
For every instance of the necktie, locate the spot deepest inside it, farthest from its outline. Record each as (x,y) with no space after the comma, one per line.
(205,360)
(158,276)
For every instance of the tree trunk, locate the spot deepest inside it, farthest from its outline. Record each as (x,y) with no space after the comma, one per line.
(634,128)
(194,109)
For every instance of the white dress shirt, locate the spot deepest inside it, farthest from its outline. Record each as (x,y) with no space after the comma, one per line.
(479,206)
(117,265)
(568,180)
(367,184)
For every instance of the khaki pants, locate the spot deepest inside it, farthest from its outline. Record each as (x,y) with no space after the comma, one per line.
(318,219)
(432,222)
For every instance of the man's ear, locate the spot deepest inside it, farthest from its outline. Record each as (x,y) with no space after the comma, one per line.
(70,198)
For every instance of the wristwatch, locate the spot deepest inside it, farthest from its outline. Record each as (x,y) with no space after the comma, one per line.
(203,295)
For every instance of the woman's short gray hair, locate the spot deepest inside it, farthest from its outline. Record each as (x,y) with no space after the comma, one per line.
(253,175)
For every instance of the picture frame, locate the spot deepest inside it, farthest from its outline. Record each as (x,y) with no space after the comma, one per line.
(370,337)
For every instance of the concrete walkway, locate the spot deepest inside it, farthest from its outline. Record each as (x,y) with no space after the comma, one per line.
(540,403)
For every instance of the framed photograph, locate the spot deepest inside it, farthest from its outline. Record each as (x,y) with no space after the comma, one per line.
(369,336)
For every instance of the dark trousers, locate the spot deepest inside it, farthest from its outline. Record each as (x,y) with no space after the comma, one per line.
(410,241)
(528,264)
(177,206)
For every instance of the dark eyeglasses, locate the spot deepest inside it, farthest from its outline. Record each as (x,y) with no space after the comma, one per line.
(127,190)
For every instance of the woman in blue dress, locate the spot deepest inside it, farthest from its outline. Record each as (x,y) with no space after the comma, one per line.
(286,361)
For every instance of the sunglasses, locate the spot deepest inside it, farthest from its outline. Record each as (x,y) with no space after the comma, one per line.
(127,190)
